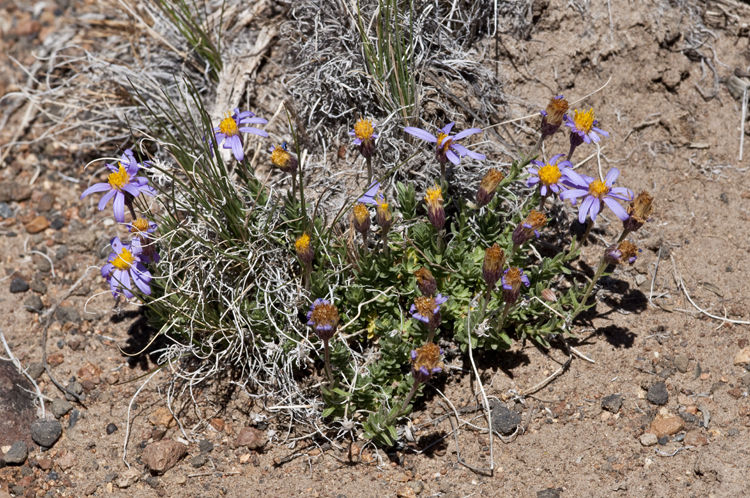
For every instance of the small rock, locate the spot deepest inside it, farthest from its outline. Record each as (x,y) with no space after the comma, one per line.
(742,358)
(206,446)
(44,463)
(111,429)
(62,252)
(17,453)
(648,439)
(251,437)
(681,362)
(153,481)
(612,403)
(35,370)
(37,225)
(163,455)
(61,407)
(90,489)
(417,486)
(42,264)
(217,424)
(663,440)
(657,394)
(18,285)
(112,378)
(33,304)
(695,438)
(66,314)
(640,280)
(735,392)
(89,373)
(127,479)
(505,420)
(734,432)
(162,417)
(73,419)
(67,461)
(74,387)
(38,286)
(46,432)
(5,210)
(180,480)
(11,191)
(745,379)
(548,493)
(666,426)
(158,434)
(405,492)
(46,202)
(198,461)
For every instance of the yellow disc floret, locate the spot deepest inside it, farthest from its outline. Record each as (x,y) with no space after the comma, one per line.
(124,260)
(434,196)
(549,174)
(361,214)
(584,121)
(280,158)
(228,126)
(119,179)
(302,243)
(444,141)
(363,129)
(598,189)
(140,225)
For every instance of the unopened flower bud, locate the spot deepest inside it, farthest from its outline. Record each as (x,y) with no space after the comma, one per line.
(383,215)
(426,282)
(492,269)
(639,211)
(488,187)
(528,228)
(549,295)
(282,159)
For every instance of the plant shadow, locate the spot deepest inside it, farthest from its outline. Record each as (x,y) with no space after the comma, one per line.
(142,343)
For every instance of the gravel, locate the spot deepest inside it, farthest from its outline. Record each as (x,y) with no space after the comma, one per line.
(33,304)
(17,453)
(657,394)
(505,420)
(18,285)
(61,407)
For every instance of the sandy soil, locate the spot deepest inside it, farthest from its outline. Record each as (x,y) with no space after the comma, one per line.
(665,137)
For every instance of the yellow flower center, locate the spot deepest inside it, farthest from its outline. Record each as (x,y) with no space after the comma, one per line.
(280,157)
(434,196)
(228,126)
(124,260)
(363,129)
(598,189)
(535,219)
(584,120)
(428,356)
(361,213)
(120,179)
(444,141)
(303,243)
(425,306)
(140,225)
(513,278)
(549,174)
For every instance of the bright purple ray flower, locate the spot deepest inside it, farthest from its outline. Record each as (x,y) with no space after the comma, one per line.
(230,127)
(123,264)
(446,147)
(371,196)
(123,185)
(595,192)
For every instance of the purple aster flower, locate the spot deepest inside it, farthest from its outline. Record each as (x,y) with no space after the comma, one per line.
(548,176)
(123,264)
(123,185)
(595,192)
(230,127)
(371,196)
(624,252)
(446,147)
(323,317)
(583,129)
(426,309)
(142,242)
(512,280)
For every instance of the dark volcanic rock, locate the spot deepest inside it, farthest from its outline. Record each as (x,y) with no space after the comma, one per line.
(505,420)
(17,453)
(18,285)
(612,403)
(658,394)
(46,432)
(17,410)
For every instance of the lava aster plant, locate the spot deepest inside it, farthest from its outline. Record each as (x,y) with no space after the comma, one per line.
(548,175)
(123,264)
(595,192)
(122,184)
(230,127)
(583,129)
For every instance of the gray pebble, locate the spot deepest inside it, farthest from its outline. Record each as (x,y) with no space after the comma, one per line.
(657,394)
(663,440)
(66,314)
(57,223)
(505,420)
(5,210)
(199,461)
(153,481)
(46,432)
(61,407)
(35,370)
(76,388)
(548,493)
(206,446)
(17,453)
(734,432)
(39,286)
(110,477)
(73,419)
(111,429)
(18,285)
(42,263)
(612,403)
(61,252)
(745,379)
(681,362)
(648,439)
(33,304)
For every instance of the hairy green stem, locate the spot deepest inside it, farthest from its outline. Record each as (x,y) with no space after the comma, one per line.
(405,404)
(328,361)
(369,170)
